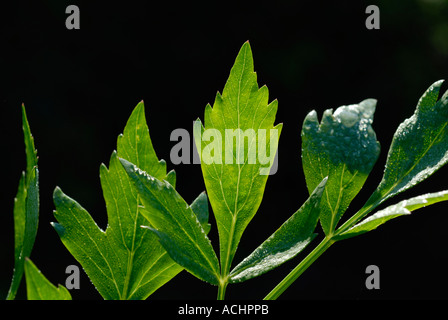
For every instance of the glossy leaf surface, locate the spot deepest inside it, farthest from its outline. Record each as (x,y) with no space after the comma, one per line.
(237,146)
(26,209)
(419,146)
(404,207)
(177,226)
(342,146)
(290,239)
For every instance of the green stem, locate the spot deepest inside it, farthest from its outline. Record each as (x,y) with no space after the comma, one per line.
(356,217)
(301,267)
(371,204)
(222,290)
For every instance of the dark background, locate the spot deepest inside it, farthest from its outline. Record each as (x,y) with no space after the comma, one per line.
(80,86)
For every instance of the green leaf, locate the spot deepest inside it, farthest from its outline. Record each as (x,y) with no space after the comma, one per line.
(39,288)
(200,208)
(402,208)
(344,148)
(237,147)
(178,228)
(290,239)
(125,261)
(419,147)
(26,209)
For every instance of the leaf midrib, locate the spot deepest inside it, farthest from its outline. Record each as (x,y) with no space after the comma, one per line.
(226,268)
(187,234)
(377,197)
(415,164)
(132,250)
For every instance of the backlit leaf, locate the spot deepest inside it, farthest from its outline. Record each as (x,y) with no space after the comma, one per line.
(178,228)
(39,288)
(26,209)
(125,261)
(237,146)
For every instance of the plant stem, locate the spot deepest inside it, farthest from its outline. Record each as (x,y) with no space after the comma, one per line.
(321,248)
(301,267)
(222,290)
(356,217)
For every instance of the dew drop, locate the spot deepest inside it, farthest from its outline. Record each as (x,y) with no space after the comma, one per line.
(348,117)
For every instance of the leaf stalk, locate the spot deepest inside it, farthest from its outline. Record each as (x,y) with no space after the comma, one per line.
(222,289)
(300,268)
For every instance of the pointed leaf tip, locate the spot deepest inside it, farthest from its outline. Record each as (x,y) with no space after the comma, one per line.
(244,108)
(418,149)
(402,208)
(26,209)
(103,252)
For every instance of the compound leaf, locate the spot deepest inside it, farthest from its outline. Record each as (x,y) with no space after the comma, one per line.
(237,146)
(39,288)
(26,209)
(174,222)
(404,207)
(125,261)
(419,147)
(290,239)
(344,148)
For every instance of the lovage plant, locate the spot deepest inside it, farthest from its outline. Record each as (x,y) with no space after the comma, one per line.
(125,261)
(153,233)
(338,154)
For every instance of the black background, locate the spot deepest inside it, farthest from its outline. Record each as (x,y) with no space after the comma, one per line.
(80,86)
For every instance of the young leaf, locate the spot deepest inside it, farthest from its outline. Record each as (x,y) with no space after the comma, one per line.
(26,209)
(402,208)
(125,261)
(39,288)
(290,239)
(233,144)
(174,222)
(419,147)
(344,148)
